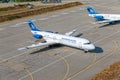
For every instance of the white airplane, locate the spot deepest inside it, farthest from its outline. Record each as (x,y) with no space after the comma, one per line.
(52,38)
(103,18)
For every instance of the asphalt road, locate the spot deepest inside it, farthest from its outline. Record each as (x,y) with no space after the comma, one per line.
(60,63)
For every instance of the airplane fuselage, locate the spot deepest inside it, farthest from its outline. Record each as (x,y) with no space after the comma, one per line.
(76,42)
(107,16)
(52,38)
(103,18)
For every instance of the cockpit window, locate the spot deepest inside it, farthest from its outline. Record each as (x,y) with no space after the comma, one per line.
(87,43)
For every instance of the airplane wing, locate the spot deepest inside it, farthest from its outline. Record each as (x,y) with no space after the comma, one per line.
(71,32)
(37,45)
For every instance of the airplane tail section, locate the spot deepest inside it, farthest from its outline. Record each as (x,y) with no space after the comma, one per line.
(32,26)
(91,10)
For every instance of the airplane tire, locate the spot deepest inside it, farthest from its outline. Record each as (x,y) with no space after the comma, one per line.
(50,46)
(111,22)
(85,51)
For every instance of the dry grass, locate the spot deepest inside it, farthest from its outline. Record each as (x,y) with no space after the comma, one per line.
(20,11)
(111,73)
(10,10)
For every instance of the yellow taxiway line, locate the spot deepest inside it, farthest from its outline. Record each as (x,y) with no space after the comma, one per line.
(67,67)
(29,73)
(95,62)
(84,69)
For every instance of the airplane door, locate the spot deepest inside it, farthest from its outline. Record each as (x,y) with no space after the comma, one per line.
(55,39)
(80,45)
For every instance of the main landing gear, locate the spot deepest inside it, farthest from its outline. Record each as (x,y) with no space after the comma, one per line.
(112,22)
(85,51)
(54,45)
(51,46)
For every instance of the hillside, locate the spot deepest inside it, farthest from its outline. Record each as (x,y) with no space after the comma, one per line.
(110,73)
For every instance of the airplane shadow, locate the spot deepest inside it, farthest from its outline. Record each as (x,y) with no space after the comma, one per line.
(106,25)
(97,50)
(78,35)
(46,48)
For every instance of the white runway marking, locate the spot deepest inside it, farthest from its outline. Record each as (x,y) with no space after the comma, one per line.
(40,19)
(106,37)
(1,29)
(12,57)
(54,16)
(64,13)
(21,23)
(43,19)
(18,24)
(103,6)
(73,11)
(82,9)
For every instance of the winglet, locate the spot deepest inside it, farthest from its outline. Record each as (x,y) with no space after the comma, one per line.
(71,32)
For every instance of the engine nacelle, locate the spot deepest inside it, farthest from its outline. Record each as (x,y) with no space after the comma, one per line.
(99,17)
(37,36)
(49,31)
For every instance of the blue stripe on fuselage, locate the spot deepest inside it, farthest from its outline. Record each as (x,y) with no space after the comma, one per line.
(70,40)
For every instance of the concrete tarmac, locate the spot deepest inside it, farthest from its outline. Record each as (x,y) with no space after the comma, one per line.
(60,63)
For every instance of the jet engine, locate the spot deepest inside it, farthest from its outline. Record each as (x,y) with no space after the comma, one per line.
(37,36)
(99,17)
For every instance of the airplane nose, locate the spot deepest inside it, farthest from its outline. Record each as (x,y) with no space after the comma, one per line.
(92,47)
(89,47)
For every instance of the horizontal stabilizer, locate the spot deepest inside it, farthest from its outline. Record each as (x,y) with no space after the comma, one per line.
(24,48)
(29,47)
(37,45)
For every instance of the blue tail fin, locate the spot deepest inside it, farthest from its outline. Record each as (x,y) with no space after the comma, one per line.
(32,26)
(91,10)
